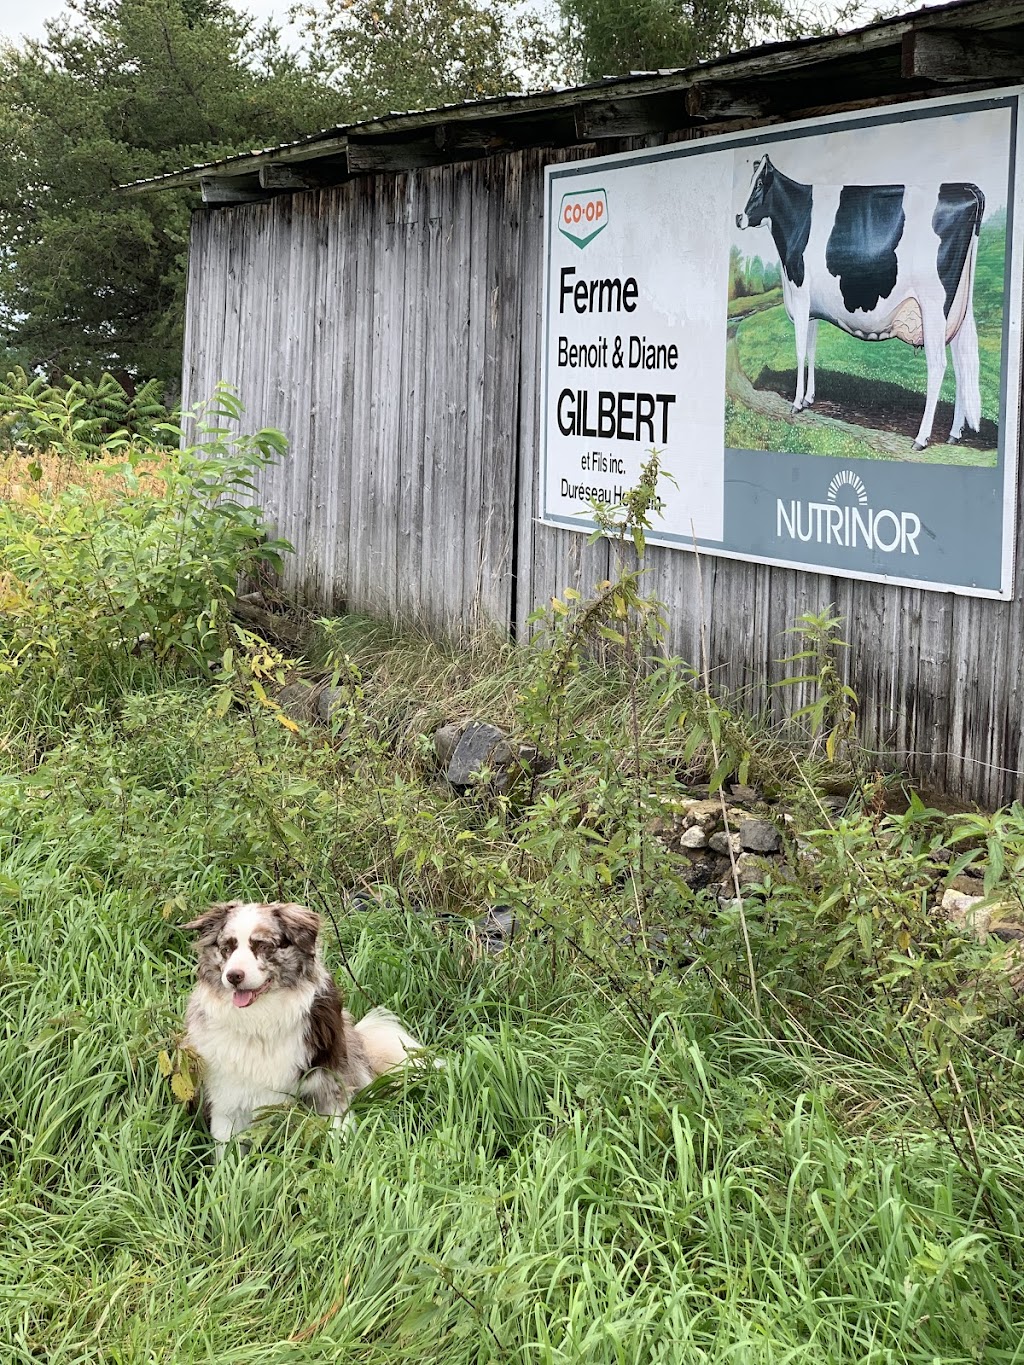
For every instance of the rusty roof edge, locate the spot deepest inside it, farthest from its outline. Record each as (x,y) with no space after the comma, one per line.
(974,14)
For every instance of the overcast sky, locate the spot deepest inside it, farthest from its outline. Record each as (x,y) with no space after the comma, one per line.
(26,17)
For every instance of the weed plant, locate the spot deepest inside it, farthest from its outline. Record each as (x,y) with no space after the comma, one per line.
(622,1160)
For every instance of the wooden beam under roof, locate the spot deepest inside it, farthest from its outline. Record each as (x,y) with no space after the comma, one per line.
(956,56)
(713,101)
(630,117)
(237,189)
(368,155)
(278,175)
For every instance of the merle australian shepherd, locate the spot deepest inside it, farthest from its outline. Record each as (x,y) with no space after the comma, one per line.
(267,1019)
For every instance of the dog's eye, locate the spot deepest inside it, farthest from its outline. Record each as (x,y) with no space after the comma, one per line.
(228,945)
(259,945)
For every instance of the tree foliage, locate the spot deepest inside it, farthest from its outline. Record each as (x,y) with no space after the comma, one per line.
(383,55)
(92,280)
(610,37)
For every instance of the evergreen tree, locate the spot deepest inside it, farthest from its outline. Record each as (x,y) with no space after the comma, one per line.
(120,90)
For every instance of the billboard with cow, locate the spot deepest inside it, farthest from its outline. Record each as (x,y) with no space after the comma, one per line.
(818,325)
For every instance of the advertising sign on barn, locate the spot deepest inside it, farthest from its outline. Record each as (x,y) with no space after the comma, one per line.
(817,325)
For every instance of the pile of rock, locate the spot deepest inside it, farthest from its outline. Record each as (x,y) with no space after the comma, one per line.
(721,844)
(724,842)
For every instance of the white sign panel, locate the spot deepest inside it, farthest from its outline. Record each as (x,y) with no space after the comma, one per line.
(816,325)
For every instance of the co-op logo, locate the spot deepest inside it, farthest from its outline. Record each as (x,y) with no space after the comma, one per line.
(583,215)
(845,519)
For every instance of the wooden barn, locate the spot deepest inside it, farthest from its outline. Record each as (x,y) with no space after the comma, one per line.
(377,293)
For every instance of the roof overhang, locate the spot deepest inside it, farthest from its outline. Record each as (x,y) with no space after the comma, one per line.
(971,44)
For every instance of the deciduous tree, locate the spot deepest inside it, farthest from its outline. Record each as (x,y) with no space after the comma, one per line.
(610,37)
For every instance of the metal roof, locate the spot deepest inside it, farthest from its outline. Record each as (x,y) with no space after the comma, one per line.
(969,44)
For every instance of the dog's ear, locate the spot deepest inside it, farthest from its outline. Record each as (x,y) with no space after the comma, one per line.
(209,924)
(300,925)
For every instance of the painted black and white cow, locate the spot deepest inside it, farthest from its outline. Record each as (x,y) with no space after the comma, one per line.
(879,261)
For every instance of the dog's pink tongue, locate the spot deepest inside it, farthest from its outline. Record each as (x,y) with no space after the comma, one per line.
(243,998)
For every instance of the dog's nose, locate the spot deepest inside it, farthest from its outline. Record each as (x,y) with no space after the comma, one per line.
(236,977)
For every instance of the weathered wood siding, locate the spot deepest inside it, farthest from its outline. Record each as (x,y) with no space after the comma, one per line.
(391,328)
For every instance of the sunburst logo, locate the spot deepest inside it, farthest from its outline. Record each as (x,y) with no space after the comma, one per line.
(847,521)
(846,478)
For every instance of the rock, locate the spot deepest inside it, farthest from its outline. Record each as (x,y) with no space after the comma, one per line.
(693,838)
(759,836)
(960,909)
(968,886)
(328,701)
(707,814)
(446,741)
(751,870)
(296,701)
(473,752)
(517,764)
(743,795)
(723,843)
(501,754)
(496,928)
(529,756)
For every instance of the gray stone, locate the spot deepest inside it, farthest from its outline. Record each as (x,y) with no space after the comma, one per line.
(707,814)
(693,838)
(496,928)
(961,910)
(759,836)
(723,843)
(968,886)
(329,699)
(296,701)
(751,870)
(501,754)
(473,752)
(446,741)
(743,795)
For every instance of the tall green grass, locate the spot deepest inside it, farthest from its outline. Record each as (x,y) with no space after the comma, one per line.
(579,1184)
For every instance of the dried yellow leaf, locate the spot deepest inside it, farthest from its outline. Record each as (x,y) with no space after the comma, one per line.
(182,1088)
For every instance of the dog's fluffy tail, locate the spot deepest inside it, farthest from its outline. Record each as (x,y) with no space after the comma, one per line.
(387,1043)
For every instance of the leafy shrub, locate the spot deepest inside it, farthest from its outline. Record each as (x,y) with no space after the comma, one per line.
(86,580)
(81,417)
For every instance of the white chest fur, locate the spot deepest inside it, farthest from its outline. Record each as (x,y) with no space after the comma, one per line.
(254,1056)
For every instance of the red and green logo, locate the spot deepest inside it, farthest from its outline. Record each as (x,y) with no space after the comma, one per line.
(583,215)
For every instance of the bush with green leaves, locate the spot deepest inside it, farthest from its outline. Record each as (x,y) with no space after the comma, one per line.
(82,418)
(88,580)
